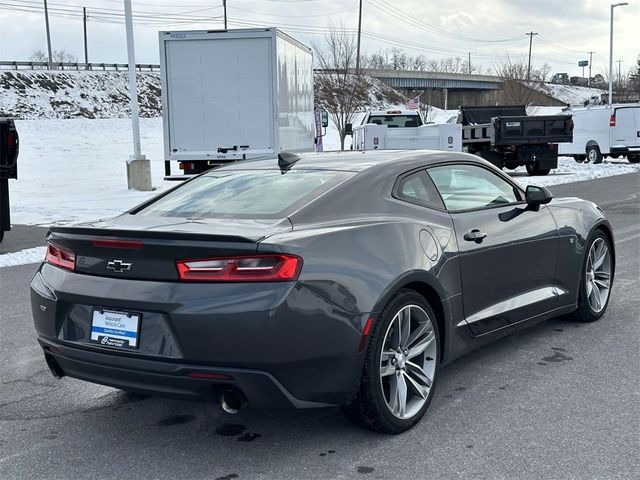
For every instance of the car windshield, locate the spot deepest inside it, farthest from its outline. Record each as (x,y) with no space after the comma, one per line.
(396,120)
(245,194)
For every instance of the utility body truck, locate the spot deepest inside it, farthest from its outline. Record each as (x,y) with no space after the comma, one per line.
(507,137)
(604,130)
(403,130)
(230,95)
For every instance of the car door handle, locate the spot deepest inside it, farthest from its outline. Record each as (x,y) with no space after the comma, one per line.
(475,235)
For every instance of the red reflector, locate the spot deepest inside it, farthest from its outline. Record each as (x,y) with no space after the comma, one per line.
(612,121)
(210,376)
(126,244)
(365,334)
(185,165)
(258,268)
(11,140)
(60,257)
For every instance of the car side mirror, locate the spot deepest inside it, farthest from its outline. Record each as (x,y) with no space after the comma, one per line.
(535,195)
(348,129)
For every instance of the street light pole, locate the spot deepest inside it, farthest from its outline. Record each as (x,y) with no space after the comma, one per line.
(138,168)
(613,5)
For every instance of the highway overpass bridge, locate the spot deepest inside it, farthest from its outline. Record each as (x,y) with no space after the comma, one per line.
(443,90)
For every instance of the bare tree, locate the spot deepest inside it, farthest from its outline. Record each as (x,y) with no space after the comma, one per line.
(62,56)
(515,89)
(338,88)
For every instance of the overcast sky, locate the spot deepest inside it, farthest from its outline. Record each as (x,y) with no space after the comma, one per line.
(490,29)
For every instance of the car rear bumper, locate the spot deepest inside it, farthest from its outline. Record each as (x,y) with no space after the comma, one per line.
(282,344)
(172,380)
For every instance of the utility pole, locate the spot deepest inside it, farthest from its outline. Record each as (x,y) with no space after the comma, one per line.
(359,35)
(530,35)
(619,62)
(138,167)
(46,22)
(224,5)
(590,60)
(84,29)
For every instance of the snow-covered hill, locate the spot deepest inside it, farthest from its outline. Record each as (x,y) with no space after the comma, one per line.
(72,94)
(31,95)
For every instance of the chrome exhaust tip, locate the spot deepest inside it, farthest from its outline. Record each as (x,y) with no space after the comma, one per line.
(231,401)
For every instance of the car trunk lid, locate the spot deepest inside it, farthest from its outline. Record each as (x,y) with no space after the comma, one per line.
(147,248)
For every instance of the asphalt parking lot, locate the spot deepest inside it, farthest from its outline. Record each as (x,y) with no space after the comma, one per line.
(559,400)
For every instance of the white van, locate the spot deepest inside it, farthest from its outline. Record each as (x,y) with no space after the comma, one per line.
(604,130)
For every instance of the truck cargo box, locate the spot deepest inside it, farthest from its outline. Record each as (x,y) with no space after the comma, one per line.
(234,94)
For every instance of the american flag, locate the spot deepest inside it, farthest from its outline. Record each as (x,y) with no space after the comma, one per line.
(414,103)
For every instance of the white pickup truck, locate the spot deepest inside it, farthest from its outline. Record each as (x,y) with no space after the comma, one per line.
(404,130)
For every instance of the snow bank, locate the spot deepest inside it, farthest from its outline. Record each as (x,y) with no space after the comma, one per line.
(571,94)
(74,170)
(72,94)
(23,257)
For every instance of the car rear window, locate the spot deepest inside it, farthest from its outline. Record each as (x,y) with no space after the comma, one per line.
(396,120)
(245,194)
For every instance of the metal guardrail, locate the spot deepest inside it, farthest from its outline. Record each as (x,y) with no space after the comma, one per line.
(14,65)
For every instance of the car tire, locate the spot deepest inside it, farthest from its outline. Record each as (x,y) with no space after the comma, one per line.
(533,170)
(371,409)
(587,311)
(615,155)
(594,155)
(579,158)
(633,158)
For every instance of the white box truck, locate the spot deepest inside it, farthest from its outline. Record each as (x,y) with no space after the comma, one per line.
(604,130)
(234,94)
(404,130)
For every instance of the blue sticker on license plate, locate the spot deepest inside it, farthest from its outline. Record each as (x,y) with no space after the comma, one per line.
(115,329)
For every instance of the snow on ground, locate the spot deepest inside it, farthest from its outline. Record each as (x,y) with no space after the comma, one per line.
(74,170)
(23,257)
(570,171)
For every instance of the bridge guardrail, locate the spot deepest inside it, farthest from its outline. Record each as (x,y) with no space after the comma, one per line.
(28,65)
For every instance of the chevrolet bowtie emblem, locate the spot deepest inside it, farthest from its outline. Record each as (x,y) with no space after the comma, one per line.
(119,266)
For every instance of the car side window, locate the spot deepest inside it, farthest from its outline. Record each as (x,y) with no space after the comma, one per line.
(464,187)
(417,188)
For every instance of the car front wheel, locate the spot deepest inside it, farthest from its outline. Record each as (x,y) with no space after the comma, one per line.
(401,362)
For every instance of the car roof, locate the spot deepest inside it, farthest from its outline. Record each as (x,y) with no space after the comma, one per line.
(348,160)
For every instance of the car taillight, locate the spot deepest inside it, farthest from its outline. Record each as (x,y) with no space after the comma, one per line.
(255,268)
(60,257)
(612,121)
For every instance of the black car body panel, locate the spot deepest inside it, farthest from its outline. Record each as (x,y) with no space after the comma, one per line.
(300,343)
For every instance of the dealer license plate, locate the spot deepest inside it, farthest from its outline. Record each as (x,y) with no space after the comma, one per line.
(115,329)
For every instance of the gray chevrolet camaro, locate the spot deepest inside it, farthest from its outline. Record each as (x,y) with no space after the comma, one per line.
(317,280)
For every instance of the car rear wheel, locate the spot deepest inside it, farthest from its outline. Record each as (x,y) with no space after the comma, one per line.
(579,158)
(596,279)
(401,362)
(593,155)
(634,158)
